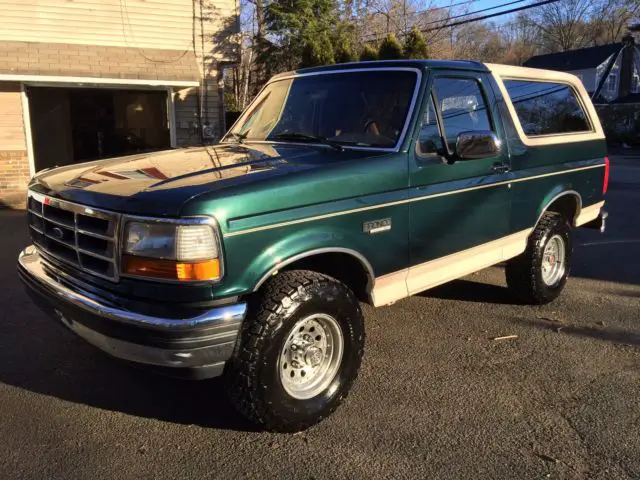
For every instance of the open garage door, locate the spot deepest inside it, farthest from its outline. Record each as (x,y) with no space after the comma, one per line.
(73,125)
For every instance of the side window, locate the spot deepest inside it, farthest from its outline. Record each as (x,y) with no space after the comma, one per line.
(462,106)
(545,108)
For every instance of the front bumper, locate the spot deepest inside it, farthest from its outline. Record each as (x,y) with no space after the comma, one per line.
(194,347)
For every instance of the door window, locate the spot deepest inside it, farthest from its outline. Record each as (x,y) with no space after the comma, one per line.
(429,141)
(463,108)
(462,105)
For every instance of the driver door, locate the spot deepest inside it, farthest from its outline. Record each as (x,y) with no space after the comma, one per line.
(457,205)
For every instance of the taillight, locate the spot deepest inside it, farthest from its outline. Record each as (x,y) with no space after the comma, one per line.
(605,184)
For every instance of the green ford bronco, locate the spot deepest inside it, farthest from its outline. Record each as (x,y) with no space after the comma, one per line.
(365,182)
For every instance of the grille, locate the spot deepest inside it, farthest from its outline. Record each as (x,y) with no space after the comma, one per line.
(81,236)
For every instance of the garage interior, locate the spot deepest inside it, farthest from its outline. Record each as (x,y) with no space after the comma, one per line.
(73,125)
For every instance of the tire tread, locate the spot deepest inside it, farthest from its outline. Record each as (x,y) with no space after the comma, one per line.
(521,271)
(284,289)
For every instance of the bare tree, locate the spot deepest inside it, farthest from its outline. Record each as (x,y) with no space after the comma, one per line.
(563,25)
(611,18)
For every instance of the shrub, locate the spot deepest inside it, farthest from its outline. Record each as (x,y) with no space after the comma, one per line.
(368,53)
(390,48)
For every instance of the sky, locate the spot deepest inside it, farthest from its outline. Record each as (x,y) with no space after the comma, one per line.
(476,5)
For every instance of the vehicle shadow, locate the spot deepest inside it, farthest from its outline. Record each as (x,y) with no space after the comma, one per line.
(41,356)
(614,335)
(65,367)
(471,291)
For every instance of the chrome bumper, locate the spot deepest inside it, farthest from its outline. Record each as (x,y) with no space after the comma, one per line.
(202,343)
(599,223)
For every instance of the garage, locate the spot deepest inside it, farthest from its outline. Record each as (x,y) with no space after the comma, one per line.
(73,124)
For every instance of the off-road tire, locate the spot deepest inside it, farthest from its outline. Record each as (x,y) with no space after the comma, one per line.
(524,273)
(251,377)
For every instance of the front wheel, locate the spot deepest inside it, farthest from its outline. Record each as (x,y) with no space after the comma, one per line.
(540,273)
(299,351)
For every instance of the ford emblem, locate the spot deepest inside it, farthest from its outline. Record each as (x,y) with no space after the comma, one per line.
(57,232)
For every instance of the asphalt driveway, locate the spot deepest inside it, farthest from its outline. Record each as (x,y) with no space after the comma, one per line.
(437,397)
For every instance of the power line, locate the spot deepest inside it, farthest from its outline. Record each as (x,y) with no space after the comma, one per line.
(443,7)
(478,11)
(492,15)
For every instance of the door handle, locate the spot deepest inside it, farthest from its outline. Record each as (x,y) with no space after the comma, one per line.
(501,168)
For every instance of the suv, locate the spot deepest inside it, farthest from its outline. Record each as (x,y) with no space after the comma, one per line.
(359,182)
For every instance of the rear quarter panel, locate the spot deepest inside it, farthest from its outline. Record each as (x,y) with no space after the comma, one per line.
(542,168)
(543,173)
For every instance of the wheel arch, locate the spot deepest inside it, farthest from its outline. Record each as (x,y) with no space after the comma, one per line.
(567,202)
(345,264)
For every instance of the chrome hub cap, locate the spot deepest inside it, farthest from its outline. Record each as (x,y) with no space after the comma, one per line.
(311,356)
(553,261)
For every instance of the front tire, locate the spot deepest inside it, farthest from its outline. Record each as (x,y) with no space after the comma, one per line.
(299,351)
(540,273)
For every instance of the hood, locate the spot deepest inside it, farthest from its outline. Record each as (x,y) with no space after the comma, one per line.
(159,183)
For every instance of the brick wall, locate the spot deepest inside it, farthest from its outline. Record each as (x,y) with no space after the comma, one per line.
(14,163)
(30,58)
(14,176)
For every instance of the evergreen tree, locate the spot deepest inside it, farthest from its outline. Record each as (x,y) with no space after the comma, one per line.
(368,53)
(390,48)
(343,43)
(300,33)
(317,51)
(414,45)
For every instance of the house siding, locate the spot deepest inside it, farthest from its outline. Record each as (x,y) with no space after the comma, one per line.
(160,40)
(160,24)
(588,77)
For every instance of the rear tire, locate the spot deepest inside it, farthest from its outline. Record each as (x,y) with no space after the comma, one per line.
(299,351)
(540,273)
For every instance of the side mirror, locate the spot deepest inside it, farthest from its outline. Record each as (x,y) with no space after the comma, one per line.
(477,144)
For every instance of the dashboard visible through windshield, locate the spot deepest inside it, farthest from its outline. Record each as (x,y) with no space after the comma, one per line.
(345,108)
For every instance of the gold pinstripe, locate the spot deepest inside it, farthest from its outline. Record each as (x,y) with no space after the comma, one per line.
(401,202)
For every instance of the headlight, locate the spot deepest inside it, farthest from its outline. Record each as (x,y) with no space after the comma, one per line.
(171,251)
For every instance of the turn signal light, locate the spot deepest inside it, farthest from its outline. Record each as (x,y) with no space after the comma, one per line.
(171,269)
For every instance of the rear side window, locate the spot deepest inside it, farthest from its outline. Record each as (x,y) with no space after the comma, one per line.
(545,108)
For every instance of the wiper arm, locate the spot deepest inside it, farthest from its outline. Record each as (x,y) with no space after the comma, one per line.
(239,136)
(303,137)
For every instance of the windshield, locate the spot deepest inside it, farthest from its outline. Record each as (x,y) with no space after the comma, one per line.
(366,109)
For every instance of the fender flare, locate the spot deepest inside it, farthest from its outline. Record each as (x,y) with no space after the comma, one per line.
(318,251)
(556,197)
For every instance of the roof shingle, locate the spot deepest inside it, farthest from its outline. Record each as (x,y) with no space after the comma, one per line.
(581,59)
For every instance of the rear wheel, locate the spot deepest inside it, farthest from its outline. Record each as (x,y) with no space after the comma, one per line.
(540,273)
(299,351)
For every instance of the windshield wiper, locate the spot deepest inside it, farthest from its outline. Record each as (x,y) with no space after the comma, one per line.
(239,136)
(303,137)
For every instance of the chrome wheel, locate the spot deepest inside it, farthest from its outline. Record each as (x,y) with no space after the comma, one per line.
(311,356)
(553,261)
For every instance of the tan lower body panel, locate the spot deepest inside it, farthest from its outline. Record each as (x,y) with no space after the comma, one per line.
(409,281)
(397,285)
(587,214)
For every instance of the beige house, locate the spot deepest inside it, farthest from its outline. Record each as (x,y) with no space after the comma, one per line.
(87,79)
